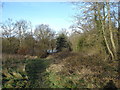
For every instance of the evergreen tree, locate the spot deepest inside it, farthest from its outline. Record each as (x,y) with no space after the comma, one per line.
(62,43)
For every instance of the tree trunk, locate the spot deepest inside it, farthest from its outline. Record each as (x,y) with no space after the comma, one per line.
(106,42)
(111,32)
(103,29)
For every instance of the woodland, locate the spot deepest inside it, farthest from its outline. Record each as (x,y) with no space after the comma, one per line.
(88,57)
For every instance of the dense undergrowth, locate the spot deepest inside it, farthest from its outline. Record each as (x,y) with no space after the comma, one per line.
(61,70)
(81,71)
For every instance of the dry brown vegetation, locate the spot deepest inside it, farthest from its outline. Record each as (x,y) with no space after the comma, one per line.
(66,69)
(91,68)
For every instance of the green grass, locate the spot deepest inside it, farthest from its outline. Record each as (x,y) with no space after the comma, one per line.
(36,72)
(15,77)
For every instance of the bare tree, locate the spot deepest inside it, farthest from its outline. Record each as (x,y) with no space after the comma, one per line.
(8,28)
(8,34)
(22,27)
(45,38)
(96,15)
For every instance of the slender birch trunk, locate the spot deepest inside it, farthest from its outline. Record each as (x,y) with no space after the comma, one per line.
(110,29)
(103,30)
(106,42)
